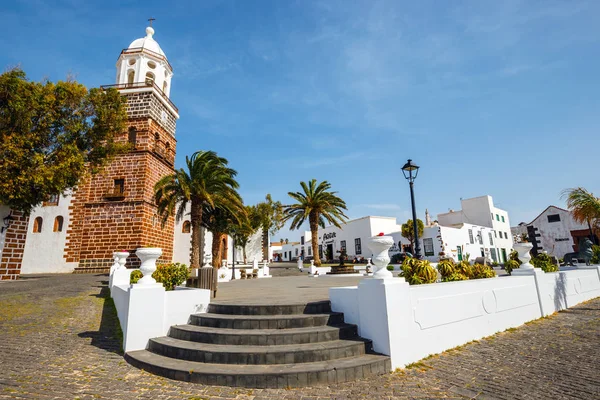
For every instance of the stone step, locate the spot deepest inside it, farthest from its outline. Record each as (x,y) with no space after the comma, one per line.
(262,376)
(284,321)
(263,337)
(319,307)
(283,354)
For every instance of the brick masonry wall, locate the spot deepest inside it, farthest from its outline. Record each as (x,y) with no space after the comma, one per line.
(103,223)
(14,244)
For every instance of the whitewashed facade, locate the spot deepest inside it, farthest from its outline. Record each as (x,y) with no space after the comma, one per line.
(478,230)
(555,231)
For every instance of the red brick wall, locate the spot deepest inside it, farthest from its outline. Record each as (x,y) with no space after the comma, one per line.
(14,244)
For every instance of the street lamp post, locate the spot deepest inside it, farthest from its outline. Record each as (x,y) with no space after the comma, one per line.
(410,171)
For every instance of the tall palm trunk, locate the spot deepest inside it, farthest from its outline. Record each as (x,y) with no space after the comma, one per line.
(216,249)
(196,222)
(313,219)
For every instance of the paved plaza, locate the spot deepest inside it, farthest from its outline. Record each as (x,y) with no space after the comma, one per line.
(59,339)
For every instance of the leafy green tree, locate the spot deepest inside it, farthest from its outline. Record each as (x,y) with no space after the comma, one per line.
(52,134)
(317,204)
(408,231)
(585,208)
(208,182)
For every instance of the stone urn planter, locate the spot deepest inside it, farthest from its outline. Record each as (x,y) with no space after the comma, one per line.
(148,257)
(523,250)
(380,245)
(120,258)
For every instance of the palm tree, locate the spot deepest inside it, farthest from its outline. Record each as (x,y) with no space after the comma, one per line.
(317,204)
(207,179)
(584,206)
(221,221)
(246,227)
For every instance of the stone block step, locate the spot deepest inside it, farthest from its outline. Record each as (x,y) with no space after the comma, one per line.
(263,337)
(262,376)
(319,307)
(283,354)
(284,321)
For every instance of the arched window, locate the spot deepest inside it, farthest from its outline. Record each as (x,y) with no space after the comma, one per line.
(58,224)
(157,137)
(187,227)
(167,146)
(165,87)
(149,78)
(130,76)
(37,225)
(132,137)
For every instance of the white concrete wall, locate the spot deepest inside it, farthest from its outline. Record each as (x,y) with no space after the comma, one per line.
(44,251)
(182,243)
(148,311)
(411,322)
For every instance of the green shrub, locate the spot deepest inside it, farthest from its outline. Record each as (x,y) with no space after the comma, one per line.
(170,275)
(515,256)
(463,271)
(446,268)
(510,265)
(595,255)
(390,267)
(417,272)
(481,271)
(544,261)
(449,271)
(464,268)
(135,276)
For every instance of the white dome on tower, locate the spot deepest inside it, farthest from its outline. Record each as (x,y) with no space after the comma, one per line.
(144,64)
(147,43)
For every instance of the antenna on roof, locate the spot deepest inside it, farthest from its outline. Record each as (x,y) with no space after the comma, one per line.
(150,20)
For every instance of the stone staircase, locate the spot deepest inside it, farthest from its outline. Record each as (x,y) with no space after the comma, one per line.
(273,346)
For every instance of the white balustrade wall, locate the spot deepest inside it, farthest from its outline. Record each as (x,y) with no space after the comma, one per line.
(409,323)
(146,311)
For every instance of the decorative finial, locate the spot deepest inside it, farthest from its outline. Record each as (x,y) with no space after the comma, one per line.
(150,30)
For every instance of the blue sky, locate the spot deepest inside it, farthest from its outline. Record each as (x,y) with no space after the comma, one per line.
(488,97)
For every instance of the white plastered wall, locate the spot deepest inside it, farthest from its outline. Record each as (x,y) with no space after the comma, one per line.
(44,251)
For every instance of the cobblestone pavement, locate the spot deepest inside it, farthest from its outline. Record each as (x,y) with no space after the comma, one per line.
(59,340)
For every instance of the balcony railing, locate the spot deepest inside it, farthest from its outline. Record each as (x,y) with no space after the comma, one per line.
(115,194)
(164,154)
(138,85)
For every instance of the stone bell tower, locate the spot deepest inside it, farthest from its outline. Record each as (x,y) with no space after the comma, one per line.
(115,209)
